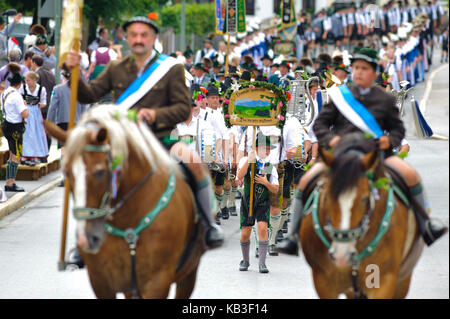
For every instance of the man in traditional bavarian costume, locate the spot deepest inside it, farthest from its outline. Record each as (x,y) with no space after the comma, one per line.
(266,180)
(207,52)
(215,117)
(295,138)
(14,112)
(380,106)
(162,105)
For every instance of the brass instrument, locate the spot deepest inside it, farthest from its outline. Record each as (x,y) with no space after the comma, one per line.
(208,148)
(299,90)
(331,80)
(300,155)
(401,96)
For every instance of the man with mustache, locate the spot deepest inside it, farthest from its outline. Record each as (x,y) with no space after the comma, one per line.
(162,107)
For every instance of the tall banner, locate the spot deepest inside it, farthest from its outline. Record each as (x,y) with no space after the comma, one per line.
(241,27)
(71,31)
(235,17)
(70,27)
(288,27)
(221,11)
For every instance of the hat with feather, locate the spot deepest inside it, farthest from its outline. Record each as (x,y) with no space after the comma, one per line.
(37,35)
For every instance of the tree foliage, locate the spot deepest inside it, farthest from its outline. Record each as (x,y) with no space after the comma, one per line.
(200,18)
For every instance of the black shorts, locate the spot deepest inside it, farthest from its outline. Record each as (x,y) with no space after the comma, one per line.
(13,133)
(291,175)
(65,127)
(218,178)
(261,213)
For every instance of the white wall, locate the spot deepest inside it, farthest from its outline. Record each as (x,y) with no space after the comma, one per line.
(264,9)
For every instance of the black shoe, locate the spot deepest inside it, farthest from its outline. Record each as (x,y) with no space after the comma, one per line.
(272,251)
(279,235)
(75,259)
(218,218)
(263,269)
(225,213)
(30,163)
(61,184)
(14,188)
(243,266)
(214,237)
(434,229)
(232,211)
(285,227)
(288,246)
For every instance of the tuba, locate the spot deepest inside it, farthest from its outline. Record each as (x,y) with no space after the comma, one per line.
(207,147)
(299,90)
(300,155)
(401,95)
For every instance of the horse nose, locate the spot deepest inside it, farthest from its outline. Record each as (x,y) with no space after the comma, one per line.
(340,253)
(94,242)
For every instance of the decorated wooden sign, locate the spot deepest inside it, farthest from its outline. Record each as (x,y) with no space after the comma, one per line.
(254,104)
(284,47)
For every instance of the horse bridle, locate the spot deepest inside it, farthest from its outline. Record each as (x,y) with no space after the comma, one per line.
(344,236)
(105,208)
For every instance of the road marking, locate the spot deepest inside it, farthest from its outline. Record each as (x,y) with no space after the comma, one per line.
(423,102)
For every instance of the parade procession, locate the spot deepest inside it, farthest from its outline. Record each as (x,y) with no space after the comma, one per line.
(286,149)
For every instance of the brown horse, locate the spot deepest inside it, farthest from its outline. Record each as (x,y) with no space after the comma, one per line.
(137,229)
(358,239)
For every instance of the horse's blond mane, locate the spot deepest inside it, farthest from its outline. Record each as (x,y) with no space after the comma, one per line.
(122,132)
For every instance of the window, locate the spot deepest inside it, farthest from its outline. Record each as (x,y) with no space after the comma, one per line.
(250,7)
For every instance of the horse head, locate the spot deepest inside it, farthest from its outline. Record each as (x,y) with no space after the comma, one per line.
(88,169)
(348,198)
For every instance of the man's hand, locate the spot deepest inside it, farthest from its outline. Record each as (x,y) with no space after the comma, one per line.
(384,143)
(148,115)
(261,180)
(72,60)
(251,156)
(312,162)
(17,17)
(290,153)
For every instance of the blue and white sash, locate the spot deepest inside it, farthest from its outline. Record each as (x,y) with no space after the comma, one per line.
(353,110)
(143,84)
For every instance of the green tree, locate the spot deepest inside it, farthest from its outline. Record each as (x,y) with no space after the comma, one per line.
(200,18)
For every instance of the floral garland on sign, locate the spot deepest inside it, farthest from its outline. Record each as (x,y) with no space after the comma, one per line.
(283,96)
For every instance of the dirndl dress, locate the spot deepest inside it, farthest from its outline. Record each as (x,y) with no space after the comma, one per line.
(34,139)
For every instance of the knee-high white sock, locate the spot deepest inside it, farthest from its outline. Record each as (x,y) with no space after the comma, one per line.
(232,198)
(226,195)
(274,226)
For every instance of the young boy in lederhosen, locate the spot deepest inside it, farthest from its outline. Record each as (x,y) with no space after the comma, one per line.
(265,182)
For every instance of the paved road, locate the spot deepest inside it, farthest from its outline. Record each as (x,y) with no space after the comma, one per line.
(29,241)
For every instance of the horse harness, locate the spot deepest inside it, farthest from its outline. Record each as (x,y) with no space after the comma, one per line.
(312,205)
(130,235)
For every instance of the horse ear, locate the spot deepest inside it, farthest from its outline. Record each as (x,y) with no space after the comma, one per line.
(55,131)
(102,135)
(369,160)
(327,156)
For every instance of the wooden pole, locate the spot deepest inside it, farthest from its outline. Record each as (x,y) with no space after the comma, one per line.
(252,176)
(227,56)
(73,104)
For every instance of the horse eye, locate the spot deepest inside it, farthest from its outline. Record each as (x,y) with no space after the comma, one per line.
(365,200)
(99,174)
